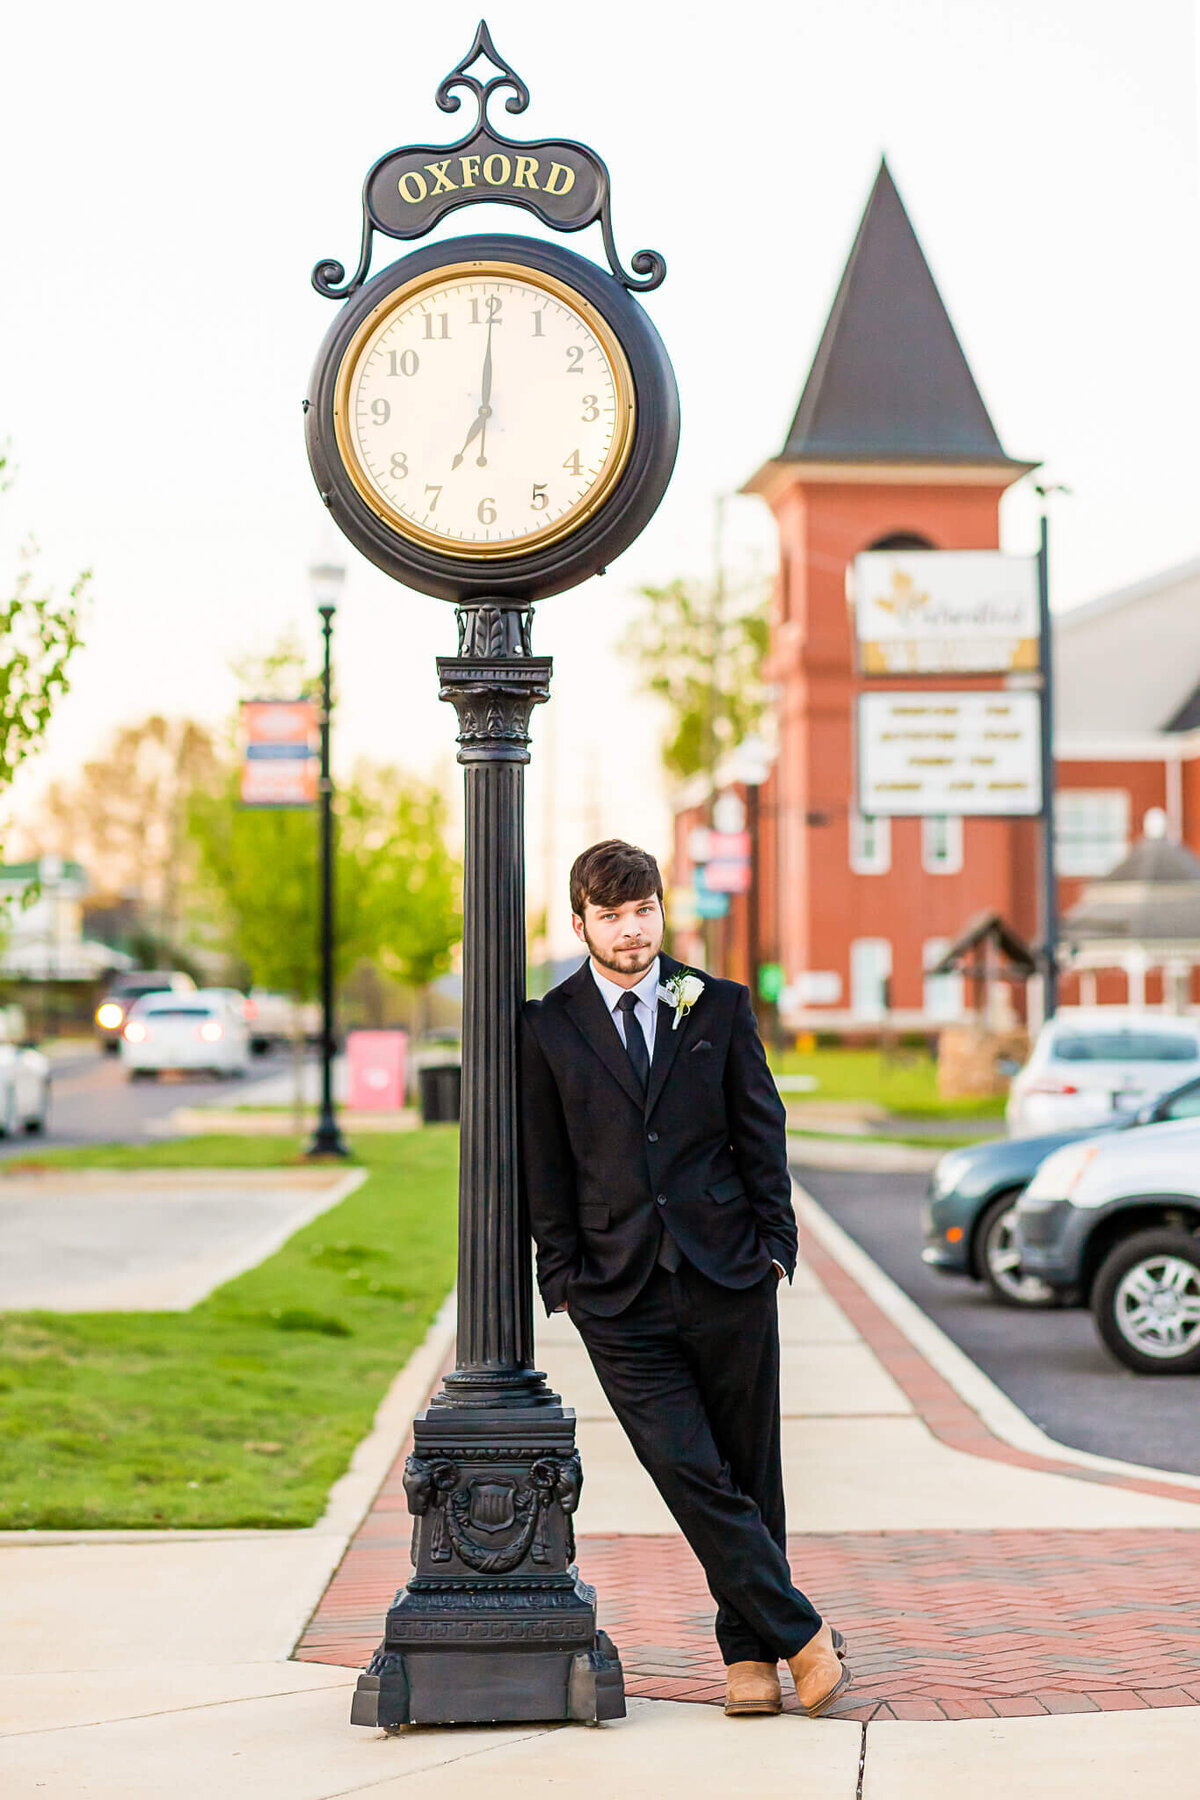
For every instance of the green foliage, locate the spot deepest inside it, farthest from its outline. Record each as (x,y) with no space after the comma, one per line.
(38,636)
(244,1411)
(703,659)
(906,1087)
(397,882)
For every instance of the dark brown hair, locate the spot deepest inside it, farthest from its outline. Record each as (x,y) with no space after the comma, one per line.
(611,873)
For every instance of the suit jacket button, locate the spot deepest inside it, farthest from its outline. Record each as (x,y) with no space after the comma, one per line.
(652,1137)
(662,1199)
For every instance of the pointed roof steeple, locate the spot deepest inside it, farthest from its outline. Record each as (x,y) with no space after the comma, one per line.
(890,383)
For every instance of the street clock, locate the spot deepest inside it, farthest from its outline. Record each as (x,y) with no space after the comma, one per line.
(491,420)
(491,415)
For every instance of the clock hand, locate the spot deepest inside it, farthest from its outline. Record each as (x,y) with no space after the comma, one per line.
(485,398)
(474,432)
(485,410)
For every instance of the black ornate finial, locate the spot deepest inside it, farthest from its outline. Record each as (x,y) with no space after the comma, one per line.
(483,87)
(409,190)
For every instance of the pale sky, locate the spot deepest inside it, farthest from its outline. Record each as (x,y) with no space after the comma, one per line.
(171,176)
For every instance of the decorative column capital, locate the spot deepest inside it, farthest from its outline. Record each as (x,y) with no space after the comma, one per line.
(494,682)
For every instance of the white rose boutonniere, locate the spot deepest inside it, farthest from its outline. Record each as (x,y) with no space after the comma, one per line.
(682,992)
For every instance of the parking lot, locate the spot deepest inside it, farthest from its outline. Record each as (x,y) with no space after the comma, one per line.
(1051,1364)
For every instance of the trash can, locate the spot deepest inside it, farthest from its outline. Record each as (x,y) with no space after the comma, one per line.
(441,1093)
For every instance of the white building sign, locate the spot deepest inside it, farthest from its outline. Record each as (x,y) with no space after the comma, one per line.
(945,612)
(922,753)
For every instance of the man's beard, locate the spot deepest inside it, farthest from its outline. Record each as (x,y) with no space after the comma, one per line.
(626,966)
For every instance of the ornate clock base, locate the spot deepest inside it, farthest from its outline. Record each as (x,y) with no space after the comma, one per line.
(496,1625)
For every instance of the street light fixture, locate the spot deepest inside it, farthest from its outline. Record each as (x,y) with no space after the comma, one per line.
(327,579)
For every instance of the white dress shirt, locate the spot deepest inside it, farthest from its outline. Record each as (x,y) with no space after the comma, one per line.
(646,1010)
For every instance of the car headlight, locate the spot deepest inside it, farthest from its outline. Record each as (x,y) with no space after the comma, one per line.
(1060,1174)
(947,1172)
(109,1015)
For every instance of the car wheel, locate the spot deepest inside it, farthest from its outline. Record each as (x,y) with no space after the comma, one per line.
(996,1258)
(1146,1302)
(143,1074)
(41,1118)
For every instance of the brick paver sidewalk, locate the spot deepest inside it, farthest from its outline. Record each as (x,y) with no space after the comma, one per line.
(941,1624)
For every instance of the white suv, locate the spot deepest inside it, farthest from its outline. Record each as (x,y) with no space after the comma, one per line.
(1088,1064)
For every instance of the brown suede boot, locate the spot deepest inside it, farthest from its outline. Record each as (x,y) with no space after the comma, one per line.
(818,1671)
(752,1687)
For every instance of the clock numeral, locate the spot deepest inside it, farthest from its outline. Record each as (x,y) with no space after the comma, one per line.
(574,359)
(443,320)
(435,490)
(573,465)
(541,499)
(381,412)
(407,362)
(537,322)
(399,465)
(486,512)
(591,408)
(491,310)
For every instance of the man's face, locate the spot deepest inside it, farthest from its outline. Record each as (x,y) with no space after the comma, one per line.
(623,939)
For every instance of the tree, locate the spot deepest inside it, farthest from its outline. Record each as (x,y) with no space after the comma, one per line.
(703,658)
(38,637)
(397,882)
(125,817)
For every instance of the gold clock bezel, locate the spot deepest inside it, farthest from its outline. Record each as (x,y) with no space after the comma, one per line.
(618,453)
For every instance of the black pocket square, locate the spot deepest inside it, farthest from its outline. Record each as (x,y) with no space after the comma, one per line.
(702,1045)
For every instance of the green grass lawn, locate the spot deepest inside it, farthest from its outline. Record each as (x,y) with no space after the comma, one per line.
(245,1410)
(903,1086)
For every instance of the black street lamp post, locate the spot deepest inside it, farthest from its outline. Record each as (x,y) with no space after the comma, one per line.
(327,1138)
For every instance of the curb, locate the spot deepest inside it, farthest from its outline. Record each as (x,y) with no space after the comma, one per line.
(995,1426)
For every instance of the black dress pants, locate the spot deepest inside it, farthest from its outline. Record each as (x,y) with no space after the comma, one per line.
(691,1370)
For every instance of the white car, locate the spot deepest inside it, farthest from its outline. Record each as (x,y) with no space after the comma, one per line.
(1115,1221)
(203,1030)
(1088,1064)
(24,1090)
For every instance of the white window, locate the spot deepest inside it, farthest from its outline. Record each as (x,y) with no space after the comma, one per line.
(943,994)
(941,844)
(870,844)
(1091,830)
(870,975)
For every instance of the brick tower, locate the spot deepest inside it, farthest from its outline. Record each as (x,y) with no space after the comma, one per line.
(891,446)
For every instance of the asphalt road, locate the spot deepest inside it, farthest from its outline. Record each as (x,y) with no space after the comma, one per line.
(1051,1364)
(92,1101)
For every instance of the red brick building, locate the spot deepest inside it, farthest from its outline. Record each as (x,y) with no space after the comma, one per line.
(892,447)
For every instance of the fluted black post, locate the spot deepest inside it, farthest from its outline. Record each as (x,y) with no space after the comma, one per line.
(495,1623)
(494,683)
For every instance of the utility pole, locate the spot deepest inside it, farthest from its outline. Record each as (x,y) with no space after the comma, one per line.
(1049,883)
(714,929)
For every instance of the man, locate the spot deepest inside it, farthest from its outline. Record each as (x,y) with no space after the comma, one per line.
(655,1164)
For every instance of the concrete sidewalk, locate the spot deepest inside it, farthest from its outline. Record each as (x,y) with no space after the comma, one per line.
(980,1573)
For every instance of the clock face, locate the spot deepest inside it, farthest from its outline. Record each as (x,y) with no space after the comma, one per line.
(485,409)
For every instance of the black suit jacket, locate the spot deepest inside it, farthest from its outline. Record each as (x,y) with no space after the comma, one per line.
(705,1153)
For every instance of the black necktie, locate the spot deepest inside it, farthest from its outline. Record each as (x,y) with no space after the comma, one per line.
(669,1254)
(635,1040)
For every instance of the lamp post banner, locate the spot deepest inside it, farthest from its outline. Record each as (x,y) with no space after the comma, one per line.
(945,612)
(279,756)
